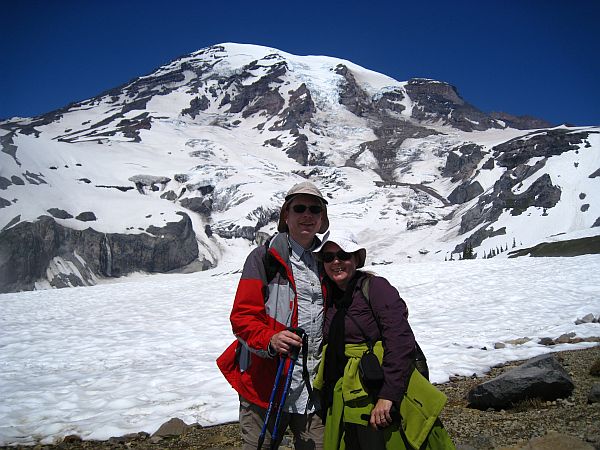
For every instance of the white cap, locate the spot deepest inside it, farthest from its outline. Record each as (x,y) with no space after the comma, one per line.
(347,242)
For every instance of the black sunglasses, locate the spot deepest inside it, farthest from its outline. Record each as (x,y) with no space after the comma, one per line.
(314,209)
(340,254)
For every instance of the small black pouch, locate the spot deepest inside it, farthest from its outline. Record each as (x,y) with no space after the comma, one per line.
(370,371)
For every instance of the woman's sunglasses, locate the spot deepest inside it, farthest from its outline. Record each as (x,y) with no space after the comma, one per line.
(340,254)
(314,209)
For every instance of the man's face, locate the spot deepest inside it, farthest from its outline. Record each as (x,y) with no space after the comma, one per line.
(303,223)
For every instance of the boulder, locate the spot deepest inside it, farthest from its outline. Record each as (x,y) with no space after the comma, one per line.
(173,427)
(553,441)
(594,395)
(541,377)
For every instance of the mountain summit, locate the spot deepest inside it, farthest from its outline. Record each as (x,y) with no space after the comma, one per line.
(181,168)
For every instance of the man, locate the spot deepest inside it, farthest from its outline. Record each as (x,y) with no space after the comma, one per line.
(280,287)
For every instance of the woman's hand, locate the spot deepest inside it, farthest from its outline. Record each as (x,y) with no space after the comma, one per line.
(380,416)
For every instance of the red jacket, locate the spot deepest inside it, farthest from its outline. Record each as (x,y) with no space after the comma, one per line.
(260,310)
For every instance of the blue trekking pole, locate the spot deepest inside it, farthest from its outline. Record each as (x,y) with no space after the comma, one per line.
(288,381)
(263,432)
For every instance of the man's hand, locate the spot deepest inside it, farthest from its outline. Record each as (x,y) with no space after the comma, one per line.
(283,341)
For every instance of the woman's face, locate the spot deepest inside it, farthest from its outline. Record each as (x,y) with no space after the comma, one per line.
(340,269)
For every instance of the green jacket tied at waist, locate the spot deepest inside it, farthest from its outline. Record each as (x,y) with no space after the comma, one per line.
(419,408)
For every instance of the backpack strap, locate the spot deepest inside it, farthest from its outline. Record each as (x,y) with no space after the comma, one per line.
(272,266)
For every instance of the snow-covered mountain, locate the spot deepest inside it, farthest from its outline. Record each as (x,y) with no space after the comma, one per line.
(175,169)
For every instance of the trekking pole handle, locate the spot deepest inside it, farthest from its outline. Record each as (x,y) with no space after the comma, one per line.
(295,351)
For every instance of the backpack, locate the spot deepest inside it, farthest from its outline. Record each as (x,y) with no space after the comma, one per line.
(419,359)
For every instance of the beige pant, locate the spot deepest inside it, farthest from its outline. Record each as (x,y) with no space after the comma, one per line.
(307,428)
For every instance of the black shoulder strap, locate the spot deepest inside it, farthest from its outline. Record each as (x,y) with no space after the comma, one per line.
(272,266)
(364,287)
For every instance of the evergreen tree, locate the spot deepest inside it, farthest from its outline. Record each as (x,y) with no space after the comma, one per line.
(468,251)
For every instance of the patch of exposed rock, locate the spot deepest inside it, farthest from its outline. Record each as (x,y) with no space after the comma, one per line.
(28,249)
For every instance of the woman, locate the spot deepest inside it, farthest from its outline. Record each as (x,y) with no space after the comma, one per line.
(358,320)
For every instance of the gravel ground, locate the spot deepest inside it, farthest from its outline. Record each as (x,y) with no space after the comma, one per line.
(469,428)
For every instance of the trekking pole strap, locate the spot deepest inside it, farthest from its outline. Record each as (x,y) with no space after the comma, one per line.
(305,374)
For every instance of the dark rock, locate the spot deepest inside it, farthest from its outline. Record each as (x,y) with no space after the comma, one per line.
(174,427)
(546,341)
(520,122)
(544,143)
(489,164)
(8,146)
(462,161)
(4,183)
(260,95)
(595,369)
(196,105)
(181,177)
(300,110)
(391,101)
(200,205)
(59,213)
(478,237)
(119,188)
(28,248)
(4,203)
(572,247)
(274,143)
(12,222)
(541,377)
(17,181)
(299,150)
(542,193)
(72,439)
(34,178)
(131,127)
(352,96)
(465,192)
(169,195)
(440,101)
(556,441)
(87,216)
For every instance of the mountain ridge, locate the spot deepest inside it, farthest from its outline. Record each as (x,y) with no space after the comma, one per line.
(219,135)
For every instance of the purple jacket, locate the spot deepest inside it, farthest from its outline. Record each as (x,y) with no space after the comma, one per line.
(398,339)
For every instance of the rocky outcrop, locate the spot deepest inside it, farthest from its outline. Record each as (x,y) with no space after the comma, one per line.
(262,95)
(8,146)
(541,377)
(520,122)
(542,193)
(465,192)
(572,247)
(27,249)
(462,161)
(543,144)
(299,111)
(438,101)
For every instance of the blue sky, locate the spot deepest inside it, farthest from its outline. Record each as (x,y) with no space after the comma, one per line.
(539,58)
